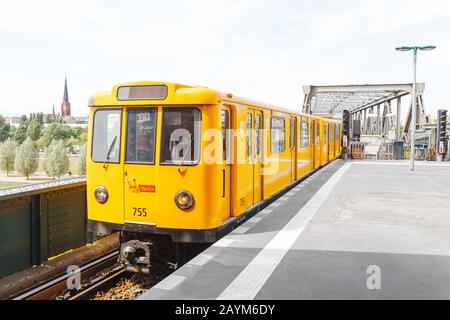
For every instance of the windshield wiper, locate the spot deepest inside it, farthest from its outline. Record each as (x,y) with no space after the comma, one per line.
(110,150)
(185,155)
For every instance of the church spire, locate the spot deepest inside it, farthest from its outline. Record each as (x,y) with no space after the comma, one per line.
(66,92)
(65,106)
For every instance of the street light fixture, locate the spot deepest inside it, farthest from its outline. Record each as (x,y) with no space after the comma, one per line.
(414,97)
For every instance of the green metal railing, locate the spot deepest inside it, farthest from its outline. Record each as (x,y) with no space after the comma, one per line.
(41,221)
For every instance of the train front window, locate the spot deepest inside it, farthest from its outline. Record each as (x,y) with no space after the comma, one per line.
(181,136)
(141,128)
(106,136)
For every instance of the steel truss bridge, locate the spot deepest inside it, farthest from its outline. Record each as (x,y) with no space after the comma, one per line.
(372,104)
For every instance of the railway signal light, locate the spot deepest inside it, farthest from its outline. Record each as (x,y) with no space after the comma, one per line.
(345,128)
(346,122)
(442,131)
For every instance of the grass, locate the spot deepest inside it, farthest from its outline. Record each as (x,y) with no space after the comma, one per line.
(7,185)
(73,164)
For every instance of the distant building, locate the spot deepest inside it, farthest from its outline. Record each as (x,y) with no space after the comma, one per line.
(64,115)
(13,121)
(77,121)
(65,106)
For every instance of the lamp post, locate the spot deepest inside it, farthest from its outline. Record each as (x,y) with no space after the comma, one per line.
(414,97)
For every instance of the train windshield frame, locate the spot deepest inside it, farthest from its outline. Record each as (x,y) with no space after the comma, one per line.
(106,136)
(141,136)
(181,136)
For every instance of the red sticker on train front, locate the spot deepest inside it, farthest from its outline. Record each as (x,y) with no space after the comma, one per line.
(147,189)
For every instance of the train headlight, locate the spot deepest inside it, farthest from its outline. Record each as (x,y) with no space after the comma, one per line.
(101,194)
(184,200)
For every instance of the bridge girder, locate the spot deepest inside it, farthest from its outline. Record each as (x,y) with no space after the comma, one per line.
(361,100)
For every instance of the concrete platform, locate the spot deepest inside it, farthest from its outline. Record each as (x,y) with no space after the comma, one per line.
(354,230)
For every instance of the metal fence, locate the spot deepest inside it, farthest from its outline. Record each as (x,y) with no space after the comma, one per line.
(41,221)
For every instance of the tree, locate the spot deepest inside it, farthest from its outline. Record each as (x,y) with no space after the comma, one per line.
(34,129)
(55,131)
(56,161)
(83,136)
(26,162)
(71,143)
(12,132)
(21,132)
(8,155)
(4,129)
(82,161)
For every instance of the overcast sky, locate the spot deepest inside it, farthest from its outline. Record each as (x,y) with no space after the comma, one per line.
(264,50)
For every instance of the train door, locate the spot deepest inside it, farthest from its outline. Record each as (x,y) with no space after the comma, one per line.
(338,140)
(106,167)
(227,162)
(318,153)
(257,166)
(250,165)
(326,137)
(313,143)
(293,147)
(139,167)
(331,142)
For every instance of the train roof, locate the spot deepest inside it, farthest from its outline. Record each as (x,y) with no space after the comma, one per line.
(169,93)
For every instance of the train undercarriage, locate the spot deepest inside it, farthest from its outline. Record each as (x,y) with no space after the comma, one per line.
(141,252)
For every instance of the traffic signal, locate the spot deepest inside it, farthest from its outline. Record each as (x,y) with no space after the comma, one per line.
(346,122)
(442,131)
(346,128)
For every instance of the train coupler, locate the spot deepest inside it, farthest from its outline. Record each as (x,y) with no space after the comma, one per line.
(135,255)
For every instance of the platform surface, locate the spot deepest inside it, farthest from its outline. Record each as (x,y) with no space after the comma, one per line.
(354,230)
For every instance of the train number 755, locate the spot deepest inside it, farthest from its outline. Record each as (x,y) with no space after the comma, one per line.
(140,212)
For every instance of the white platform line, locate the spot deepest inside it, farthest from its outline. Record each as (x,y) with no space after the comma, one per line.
(254,220)
(275,204)
(223,243)
(250,281)
(241,230)
(170,282)
(266,211)
(201,259)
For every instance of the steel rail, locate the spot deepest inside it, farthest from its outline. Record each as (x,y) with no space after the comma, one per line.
(58,284)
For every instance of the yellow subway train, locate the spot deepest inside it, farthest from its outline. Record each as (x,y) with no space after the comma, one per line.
(171,165)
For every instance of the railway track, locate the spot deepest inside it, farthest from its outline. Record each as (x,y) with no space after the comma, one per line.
(103,285)
(93,272)
(102,279)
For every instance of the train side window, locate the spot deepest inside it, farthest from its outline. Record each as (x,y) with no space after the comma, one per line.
(318,133)
(181,136)
(258,133)
(304,139)
(278,135)
(331,133)
(225,134)
(141,133)
(106,136)
(312,133)
(249,134)
(325,132)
